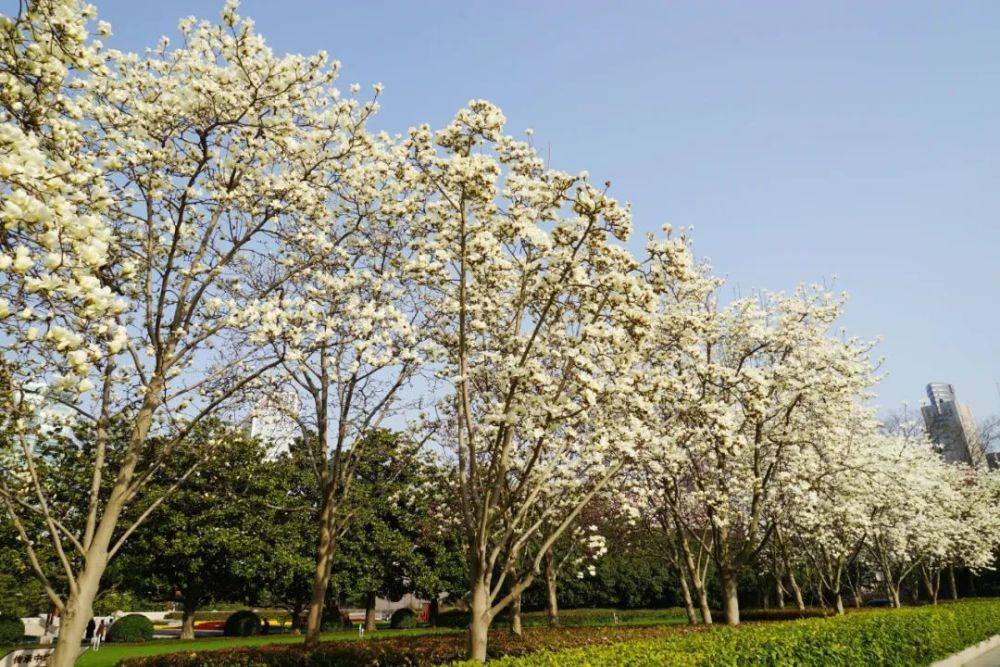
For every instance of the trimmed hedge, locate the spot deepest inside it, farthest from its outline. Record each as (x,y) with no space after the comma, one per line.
(403,619)
(11,630)
(244,623)
(131,628)
(891,638)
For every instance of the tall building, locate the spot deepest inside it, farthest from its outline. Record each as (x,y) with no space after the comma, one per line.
(274,421)
(951,426)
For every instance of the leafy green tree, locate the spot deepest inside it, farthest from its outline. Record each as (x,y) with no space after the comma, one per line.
(213,536)
(380,554)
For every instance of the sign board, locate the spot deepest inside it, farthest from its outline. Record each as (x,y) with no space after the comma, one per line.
(27,657)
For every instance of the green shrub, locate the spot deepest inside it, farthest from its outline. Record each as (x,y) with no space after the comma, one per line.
(453,618)
(131,628)
(892,638)
(113,601)
(11,630)
(244,623)
(403,619)
(334,619)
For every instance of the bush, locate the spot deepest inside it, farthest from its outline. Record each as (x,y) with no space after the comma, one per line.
(244,623)
(131,628)
(453,618)
(11,630)
(113,601)
(900,637)
(334,619)
(403,619)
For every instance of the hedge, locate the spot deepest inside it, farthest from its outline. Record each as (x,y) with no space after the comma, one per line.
(131,628)
(914,636)
(244,623)
(403,618)
(891,638)
(11,630)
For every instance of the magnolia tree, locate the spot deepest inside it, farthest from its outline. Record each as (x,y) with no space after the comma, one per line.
(541,313)
(211,155)
(349,329)
(927,515)
(765,382)
(822,530)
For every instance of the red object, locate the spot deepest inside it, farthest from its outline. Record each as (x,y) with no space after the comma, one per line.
(210,625)
(425,613)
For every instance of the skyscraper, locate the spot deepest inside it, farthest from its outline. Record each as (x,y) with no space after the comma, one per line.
(951,426)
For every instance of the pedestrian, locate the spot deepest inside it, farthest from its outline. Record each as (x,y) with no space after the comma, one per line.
(91,625)
(95,641)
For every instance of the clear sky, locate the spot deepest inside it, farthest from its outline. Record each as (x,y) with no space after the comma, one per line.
(802,141)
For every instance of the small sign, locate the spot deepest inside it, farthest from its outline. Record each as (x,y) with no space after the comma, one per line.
(28,657)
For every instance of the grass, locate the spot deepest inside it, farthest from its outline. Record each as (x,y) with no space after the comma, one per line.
(110,654)
(574,618)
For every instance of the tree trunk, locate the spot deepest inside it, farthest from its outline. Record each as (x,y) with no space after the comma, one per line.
(321,574)
(370,625)
(79,606)
(952,585)
(931,583)
(797,590)
(838,589)
(297,617)
(706,611)
(432,613)
(730,597)
(779,591)
(515,617)
(686,594)
(187,622)
(894,595)
(552,604)
(73,621)
(479,624)
(696,575)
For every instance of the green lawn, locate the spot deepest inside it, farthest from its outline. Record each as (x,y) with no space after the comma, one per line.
(110,654)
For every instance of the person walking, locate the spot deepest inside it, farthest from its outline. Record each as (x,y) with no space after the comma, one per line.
(91,626)
(95,641)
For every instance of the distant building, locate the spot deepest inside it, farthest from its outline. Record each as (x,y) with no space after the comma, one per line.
(274,421)
(951,427)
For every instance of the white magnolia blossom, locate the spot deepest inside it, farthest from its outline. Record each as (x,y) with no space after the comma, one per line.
(540,316)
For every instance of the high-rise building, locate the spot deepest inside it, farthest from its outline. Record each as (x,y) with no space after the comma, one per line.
(951,427)
(274,421)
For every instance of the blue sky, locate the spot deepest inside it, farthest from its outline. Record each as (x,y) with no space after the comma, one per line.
(802,141)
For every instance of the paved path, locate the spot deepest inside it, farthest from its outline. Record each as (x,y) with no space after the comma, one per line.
(989,659)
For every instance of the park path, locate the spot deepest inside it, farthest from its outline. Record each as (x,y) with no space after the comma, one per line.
(989,659)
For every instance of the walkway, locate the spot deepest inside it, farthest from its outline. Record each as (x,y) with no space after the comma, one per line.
(989,659)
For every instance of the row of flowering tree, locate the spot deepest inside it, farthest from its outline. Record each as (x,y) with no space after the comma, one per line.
(766,460)
(186,228)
